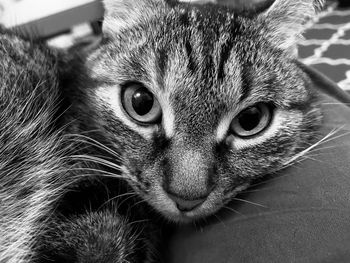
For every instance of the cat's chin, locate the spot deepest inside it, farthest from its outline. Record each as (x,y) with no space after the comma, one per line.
(188,217)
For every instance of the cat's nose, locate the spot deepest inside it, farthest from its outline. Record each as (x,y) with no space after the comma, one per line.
(186,205)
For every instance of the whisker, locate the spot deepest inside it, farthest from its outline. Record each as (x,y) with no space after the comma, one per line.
(128,198)
(334,103)
(274,177)
(103,175)
(233,210)
(138,202)
(95,159)
(308,153)
(339,136)
(139,221)
(328,137)
(249,202)
(258,190)
(219,219)
(114,198)
(100,171)
(96,143)
(310,157)
(324,148)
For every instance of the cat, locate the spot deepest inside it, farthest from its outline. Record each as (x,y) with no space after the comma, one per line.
(41,217)
(179,109)
(31,148)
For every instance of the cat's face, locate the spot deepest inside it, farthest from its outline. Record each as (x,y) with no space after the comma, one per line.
(199,101)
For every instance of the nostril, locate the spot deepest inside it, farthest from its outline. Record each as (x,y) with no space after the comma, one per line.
(185,205)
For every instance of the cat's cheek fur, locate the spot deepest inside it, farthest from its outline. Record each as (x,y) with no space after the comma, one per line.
(149,185)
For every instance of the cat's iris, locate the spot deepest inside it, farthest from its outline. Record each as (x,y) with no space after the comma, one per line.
(140,104)
(251,120)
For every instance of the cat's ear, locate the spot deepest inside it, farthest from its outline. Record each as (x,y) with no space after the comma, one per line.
(122,14)
(286,19)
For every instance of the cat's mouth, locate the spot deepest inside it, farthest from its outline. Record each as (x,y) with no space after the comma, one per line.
(181,208)
(187,211)
(174,212)
(180,211)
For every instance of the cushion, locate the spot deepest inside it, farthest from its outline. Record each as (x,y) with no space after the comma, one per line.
(302,214)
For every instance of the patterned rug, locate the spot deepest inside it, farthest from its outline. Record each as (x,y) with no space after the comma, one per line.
(327,45)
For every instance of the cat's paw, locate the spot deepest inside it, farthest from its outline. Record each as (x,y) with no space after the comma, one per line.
(103,236)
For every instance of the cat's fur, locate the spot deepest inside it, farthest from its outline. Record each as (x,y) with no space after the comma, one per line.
(31,158)
(63,168)
(42,219)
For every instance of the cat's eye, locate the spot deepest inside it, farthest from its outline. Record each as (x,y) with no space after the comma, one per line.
(140,104)
(252,120)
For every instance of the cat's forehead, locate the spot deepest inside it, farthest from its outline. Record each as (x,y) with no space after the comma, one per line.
(204,58)
(188,45)
(213,18)
(197,62)
(206,24)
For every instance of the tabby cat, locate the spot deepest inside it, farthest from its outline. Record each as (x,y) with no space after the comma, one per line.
(179,108)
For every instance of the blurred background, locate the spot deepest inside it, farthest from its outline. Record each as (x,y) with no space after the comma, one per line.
(67,23)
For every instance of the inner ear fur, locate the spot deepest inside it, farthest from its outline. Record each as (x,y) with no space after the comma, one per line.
(286,19)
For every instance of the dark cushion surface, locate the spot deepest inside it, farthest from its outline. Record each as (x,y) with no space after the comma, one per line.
(300,215)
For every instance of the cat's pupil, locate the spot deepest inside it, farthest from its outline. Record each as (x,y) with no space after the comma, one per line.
(142,101)
(250,118)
